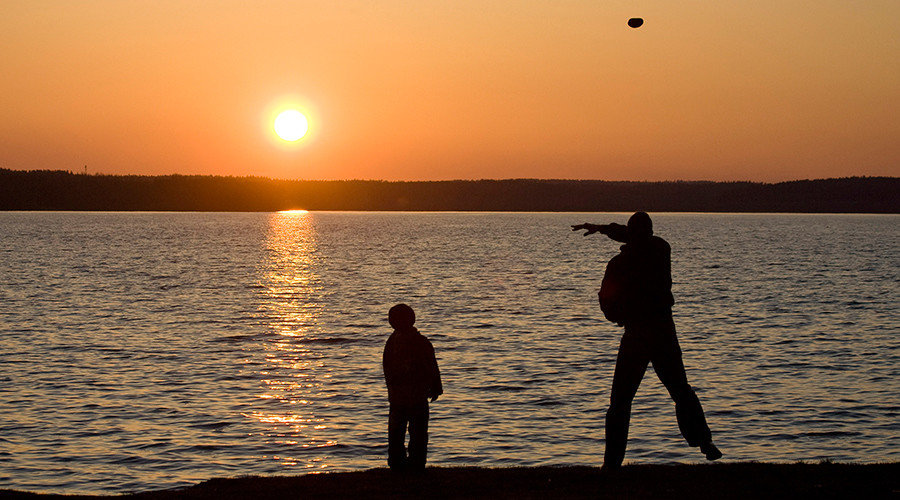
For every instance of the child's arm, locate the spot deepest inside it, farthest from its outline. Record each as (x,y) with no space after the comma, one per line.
(387,364)
(437,388)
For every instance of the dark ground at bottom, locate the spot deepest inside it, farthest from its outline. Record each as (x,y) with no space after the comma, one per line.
(728,480)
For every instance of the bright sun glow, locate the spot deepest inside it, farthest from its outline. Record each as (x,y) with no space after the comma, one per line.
(291,125)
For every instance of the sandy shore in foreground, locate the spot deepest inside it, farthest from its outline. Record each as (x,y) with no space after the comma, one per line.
(729,480)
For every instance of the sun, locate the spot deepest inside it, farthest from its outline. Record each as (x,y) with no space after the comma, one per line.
(291,125)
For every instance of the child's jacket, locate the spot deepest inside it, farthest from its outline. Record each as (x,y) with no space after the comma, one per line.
(410,368)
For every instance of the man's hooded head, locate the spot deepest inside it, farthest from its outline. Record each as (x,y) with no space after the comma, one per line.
(640,226)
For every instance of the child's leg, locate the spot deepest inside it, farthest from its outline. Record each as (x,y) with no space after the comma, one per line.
(418,436)
(397,420)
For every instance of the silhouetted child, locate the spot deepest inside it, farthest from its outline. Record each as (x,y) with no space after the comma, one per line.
(412,377)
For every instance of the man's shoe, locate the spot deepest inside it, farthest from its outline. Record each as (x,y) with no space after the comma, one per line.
(710,450)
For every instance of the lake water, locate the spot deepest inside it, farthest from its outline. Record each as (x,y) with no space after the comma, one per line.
(153,350)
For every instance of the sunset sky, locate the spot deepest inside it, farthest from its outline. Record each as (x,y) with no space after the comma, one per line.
(426,90)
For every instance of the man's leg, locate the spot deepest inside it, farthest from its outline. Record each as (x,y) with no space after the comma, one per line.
(631,363)
(669,367)
(418,437)
(397,420)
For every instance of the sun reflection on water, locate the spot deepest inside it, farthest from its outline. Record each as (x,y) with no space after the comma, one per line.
(293,374)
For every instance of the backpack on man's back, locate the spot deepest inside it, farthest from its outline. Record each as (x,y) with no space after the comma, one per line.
(612,295)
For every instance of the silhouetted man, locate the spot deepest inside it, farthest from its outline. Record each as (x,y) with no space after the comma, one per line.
(412,377)
(636,293)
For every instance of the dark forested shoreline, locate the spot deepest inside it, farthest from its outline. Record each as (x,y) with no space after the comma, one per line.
(62,190)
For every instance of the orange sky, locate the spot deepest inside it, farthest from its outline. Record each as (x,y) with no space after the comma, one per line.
(719,90)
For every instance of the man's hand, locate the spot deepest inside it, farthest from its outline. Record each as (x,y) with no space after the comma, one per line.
(617,232)
(590,228)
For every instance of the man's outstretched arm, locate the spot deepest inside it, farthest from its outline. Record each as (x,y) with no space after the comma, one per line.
(615,231)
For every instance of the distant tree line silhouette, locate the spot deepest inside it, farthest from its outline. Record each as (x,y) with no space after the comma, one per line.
(63,190)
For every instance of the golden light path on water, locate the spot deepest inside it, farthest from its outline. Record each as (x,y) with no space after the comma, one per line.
(293,374)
